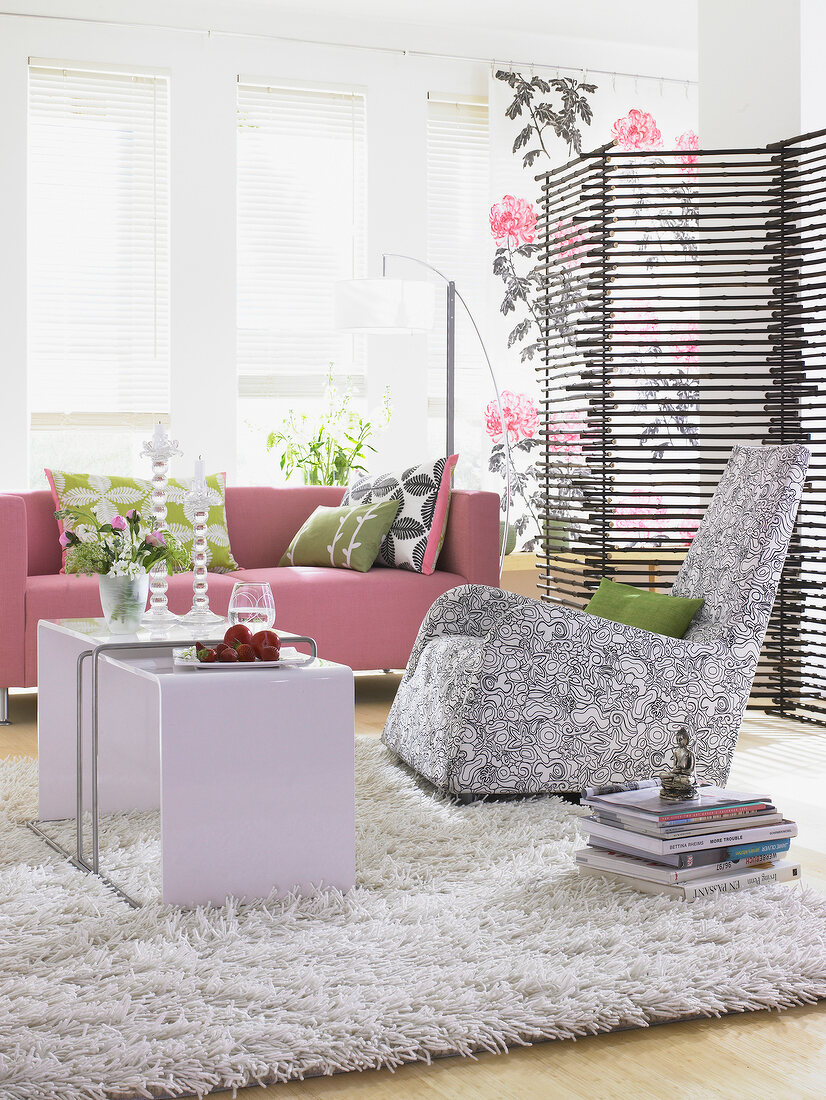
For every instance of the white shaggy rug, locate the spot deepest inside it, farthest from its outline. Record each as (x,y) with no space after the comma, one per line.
(470,929)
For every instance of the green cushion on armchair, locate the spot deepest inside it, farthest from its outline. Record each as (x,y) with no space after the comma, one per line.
(654,611)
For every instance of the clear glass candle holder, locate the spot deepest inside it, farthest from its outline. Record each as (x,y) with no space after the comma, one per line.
(252,604)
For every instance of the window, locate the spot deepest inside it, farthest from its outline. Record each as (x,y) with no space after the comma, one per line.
(98,226)
(301,228)
(458,244)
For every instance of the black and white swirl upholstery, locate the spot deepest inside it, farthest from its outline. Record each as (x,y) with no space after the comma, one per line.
(507,694)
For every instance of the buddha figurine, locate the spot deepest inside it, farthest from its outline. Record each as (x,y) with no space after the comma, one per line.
(679,784)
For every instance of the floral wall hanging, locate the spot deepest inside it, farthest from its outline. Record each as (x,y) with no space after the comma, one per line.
(554,120)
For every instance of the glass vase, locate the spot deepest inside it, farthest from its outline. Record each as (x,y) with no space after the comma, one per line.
(123,600)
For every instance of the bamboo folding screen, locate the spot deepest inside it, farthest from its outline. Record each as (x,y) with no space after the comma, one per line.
(683,304)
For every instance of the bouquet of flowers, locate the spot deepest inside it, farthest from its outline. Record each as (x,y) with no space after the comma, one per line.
(117,548)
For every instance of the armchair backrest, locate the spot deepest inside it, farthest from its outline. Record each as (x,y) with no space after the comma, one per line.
(736,558)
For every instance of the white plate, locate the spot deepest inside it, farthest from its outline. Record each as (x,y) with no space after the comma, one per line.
(288,657)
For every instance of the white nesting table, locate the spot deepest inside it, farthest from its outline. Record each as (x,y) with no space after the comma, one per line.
(252,769)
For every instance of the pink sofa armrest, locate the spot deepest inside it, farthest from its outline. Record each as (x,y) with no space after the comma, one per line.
(13,574)
(471,546)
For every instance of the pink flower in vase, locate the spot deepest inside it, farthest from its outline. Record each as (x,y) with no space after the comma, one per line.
(513,222)
(155,538)
(637,130)
(119,523)
(689,142)
(520,414)
(64,540)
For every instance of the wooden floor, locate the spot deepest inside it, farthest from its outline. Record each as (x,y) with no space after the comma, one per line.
(755,1056)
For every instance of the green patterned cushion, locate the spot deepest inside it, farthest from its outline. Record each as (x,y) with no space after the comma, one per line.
(112,496)
(343,538)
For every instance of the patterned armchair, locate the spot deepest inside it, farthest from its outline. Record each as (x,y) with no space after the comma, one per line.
(508,694)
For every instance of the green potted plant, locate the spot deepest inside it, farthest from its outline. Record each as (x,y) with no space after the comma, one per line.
(327,448)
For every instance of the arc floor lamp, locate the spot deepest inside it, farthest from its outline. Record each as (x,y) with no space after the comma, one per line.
(388,305)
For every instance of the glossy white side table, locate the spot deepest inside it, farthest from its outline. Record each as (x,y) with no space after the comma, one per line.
(252,769)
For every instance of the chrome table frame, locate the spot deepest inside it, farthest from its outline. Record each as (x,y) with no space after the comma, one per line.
(78,858)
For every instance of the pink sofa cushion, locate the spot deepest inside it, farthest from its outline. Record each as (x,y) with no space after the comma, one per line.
(263,520)
(364,620)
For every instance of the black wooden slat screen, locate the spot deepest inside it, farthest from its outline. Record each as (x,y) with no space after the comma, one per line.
(683,303)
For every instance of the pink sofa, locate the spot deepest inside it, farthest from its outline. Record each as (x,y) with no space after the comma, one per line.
(364,620)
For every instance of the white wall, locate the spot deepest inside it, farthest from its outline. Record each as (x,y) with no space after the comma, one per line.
(812,67)
(203,70)
(762,76)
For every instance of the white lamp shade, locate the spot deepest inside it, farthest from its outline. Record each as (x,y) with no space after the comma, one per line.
(384,305)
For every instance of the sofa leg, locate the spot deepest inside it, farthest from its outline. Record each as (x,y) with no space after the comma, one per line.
(4,707)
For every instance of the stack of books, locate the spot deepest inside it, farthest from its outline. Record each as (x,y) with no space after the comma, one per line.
(718,843)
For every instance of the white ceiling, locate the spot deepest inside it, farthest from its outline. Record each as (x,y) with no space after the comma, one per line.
(658,37)
(660,23)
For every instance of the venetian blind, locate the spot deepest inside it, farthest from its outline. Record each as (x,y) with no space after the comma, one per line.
(98,230)
(301,228)
(458,244)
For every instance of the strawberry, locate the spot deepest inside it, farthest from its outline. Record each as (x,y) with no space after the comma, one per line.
(238,635)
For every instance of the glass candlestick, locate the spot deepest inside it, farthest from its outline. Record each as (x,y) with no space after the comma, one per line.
(198,503)
(159,450)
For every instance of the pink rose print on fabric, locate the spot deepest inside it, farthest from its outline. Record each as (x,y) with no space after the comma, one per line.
(564,432)
(687,527)
(642,322)
(513,222)
(641,512)
(570,243)
(690,142)
(645,512)
(686,347)
(638,330)
(637,130)
(521,417)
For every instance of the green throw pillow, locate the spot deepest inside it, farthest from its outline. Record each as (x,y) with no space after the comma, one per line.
(112,496)
(654,611)
(343,538)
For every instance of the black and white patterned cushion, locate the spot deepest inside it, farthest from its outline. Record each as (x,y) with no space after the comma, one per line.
(414,538)
(506,694)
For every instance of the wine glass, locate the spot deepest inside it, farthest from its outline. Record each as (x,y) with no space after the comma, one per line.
(252,604)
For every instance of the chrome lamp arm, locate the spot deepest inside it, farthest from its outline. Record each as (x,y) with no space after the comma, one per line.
(452,294)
